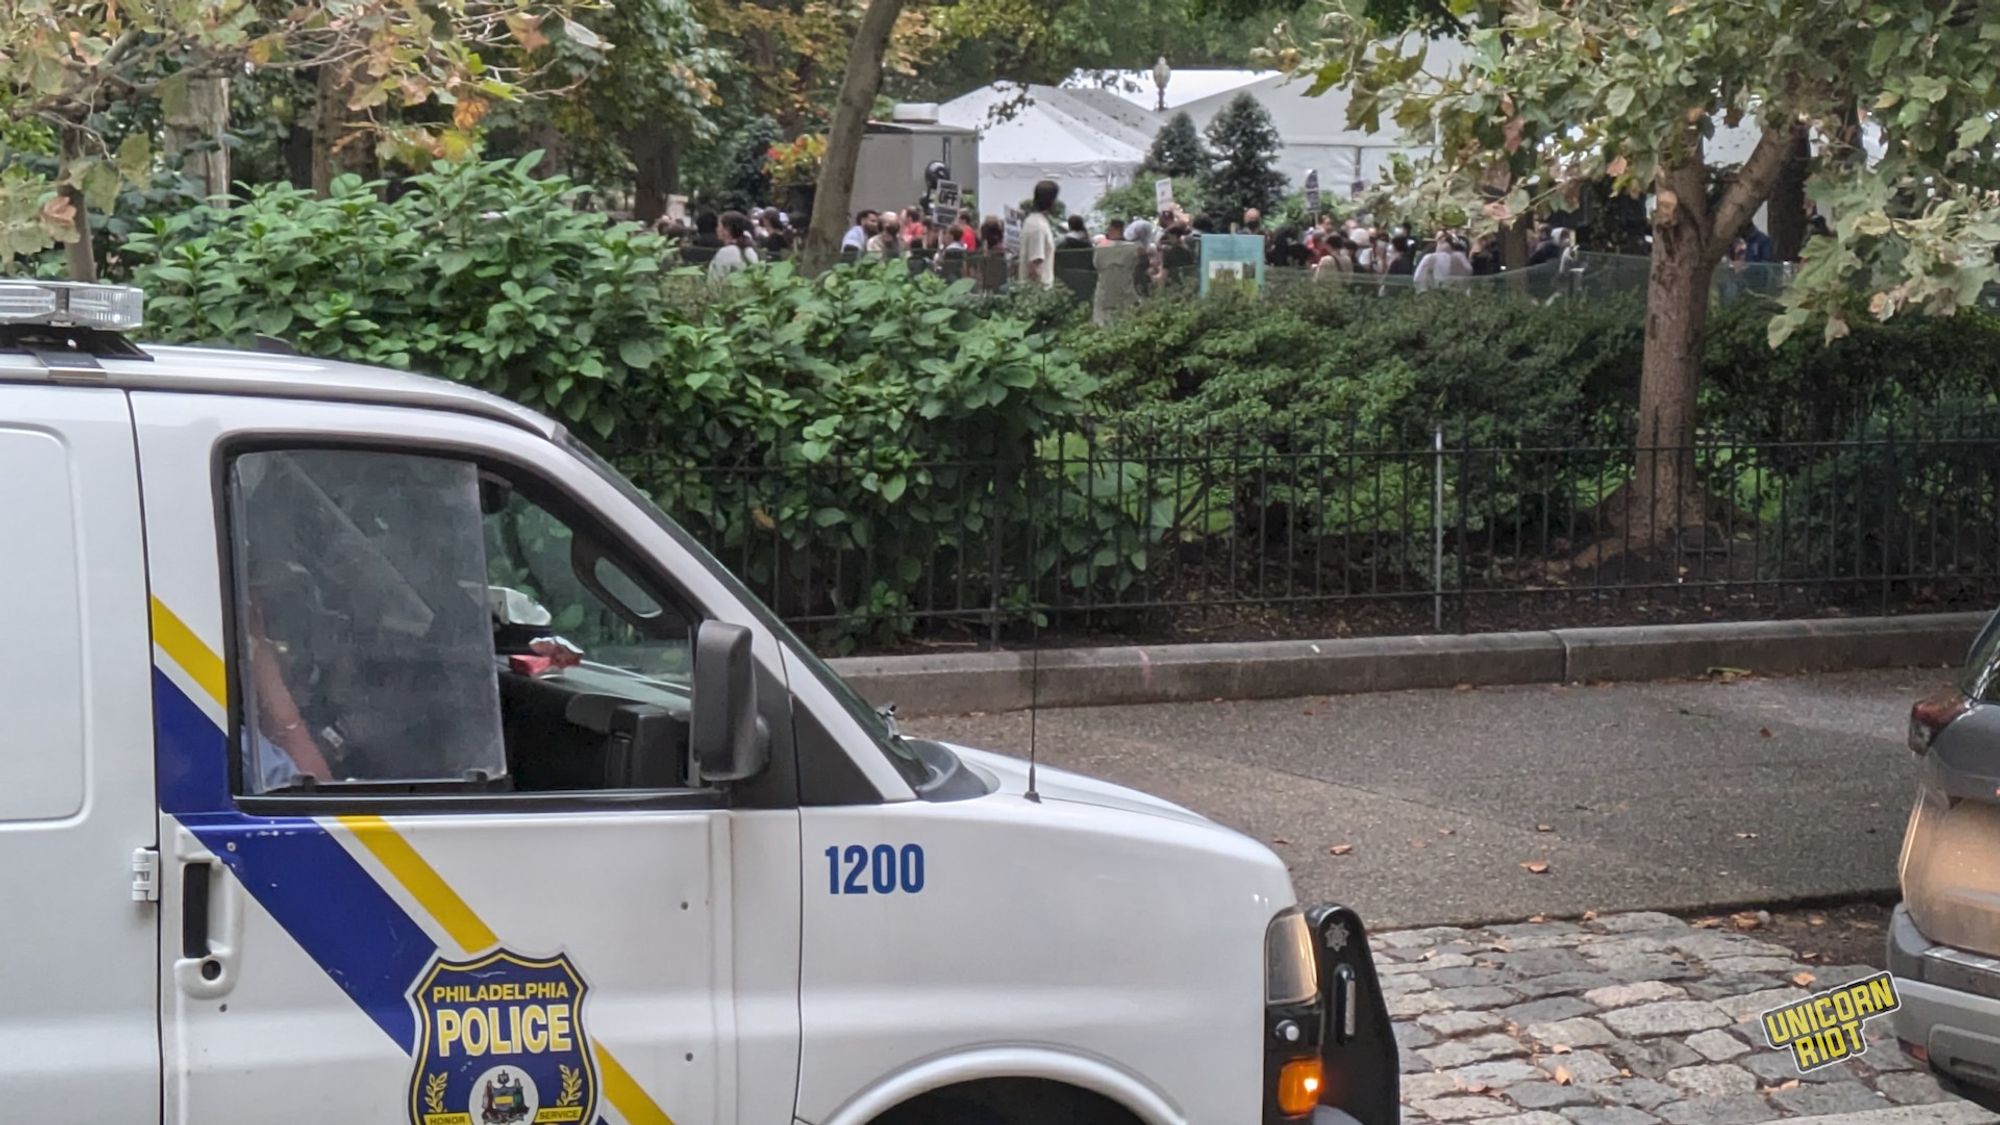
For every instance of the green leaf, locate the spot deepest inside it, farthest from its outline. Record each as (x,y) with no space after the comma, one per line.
(636,352)
(100,186)
(1928,88)
(172,92)
(1973,130)
(135,157)
(1619,99)
(892,489)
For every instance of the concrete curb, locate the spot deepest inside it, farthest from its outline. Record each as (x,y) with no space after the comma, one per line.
(1088,677)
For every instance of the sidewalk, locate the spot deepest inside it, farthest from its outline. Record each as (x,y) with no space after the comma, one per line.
(1627,1019)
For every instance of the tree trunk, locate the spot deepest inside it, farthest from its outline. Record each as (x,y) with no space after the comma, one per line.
(196,135)
(79,251)
(1688,241)
(299,151)
(1677,282)
(336,148)
(1788,202)
(656,154)
(843,143)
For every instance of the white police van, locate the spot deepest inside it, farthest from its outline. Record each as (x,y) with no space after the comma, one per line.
(375,753)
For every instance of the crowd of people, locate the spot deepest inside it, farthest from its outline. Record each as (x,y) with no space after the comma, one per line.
(1115,266)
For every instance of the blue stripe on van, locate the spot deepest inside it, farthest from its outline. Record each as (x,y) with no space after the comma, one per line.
(331,906)
(192,753)
(294,868)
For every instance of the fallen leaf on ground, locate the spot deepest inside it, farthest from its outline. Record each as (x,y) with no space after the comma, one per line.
(1590,915)
(1815,919)
(1726,674)
(1563,1076)
(1860,925)
(1788,1084)
(1463,687)
(1706,923)
(1746,835)
(1749,919)
(1340,849)
(1279,840)
(1536,866)
(1561,1049)
(1428,954)
(1543,828)
(1309,712)
(1538,917)
(1447,831)
(1803,978)
(1763,732)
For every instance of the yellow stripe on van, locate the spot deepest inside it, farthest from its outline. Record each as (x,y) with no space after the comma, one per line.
(473,935)
(623,1091)
(196,659)
(423,882)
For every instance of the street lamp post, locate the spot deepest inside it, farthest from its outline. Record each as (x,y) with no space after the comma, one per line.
(1161,73)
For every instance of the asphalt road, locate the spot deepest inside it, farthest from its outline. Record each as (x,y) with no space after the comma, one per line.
(1669,796)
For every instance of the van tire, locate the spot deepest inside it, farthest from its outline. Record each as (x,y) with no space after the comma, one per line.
(1009,1101)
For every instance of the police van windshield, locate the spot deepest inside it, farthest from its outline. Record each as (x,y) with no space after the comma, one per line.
(900,753)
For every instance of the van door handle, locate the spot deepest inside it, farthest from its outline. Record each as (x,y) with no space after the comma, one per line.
(211,929)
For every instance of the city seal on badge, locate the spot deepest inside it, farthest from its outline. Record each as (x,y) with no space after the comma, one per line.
(500,1041)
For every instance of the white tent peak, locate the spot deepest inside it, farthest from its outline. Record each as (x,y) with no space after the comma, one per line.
(1087,140)
(1183,86)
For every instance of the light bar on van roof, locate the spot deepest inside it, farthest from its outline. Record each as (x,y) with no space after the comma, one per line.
(72,304)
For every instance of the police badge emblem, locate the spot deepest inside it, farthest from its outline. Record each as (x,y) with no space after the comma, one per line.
(500,1041)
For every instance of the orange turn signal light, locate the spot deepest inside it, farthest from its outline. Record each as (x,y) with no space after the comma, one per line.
(1299,1084)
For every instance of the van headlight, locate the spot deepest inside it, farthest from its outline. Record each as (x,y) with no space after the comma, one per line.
(1291,974)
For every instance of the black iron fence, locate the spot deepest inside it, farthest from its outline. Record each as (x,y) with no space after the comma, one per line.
(1115,534)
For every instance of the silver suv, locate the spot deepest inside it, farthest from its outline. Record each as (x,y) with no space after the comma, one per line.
(1944,941)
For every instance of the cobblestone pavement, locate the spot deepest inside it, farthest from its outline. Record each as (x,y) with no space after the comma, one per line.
(1627,1019)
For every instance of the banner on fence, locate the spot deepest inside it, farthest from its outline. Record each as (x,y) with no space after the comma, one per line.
(1232,261)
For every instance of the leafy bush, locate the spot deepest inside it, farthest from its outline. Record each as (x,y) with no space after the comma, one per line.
(477,272)
(1806,389)
(851,444)
(841,442)
(1138,200)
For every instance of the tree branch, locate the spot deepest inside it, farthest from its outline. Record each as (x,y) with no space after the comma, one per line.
(1752,185)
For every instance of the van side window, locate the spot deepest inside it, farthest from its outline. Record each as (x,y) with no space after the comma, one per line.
(413,624)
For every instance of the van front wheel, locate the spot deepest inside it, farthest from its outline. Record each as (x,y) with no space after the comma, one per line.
(1009,1101)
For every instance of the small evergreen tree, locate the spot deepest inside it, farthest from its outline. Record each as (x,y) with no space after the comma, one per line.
(1242,175)
(1177,150)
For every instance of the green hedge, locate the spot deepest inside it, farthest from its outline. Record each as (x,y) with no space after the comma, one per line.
(867,447)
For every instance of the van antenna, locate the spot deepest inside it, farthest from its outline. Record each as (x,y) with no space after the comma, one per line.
(1034,659)
(1034,686)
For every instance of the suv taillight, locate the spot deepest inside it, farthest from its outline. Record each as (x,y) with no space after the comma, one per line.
(1930,716)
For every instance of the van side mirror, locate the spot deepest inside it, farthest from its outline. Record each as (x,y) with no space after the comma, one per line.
(722,735)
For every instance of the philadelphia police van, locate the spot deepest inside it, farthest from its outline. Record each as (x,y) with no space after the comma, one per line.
(375,754)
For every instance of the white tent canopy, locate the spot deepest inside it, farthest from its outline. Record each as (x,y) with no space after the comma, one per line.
(1092,133)
(1088,141)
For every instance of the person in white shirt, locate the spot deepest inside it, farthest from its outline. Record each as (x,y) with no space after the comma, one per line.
(1038,238)
(737,248)
(1443,265)
(856,238)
